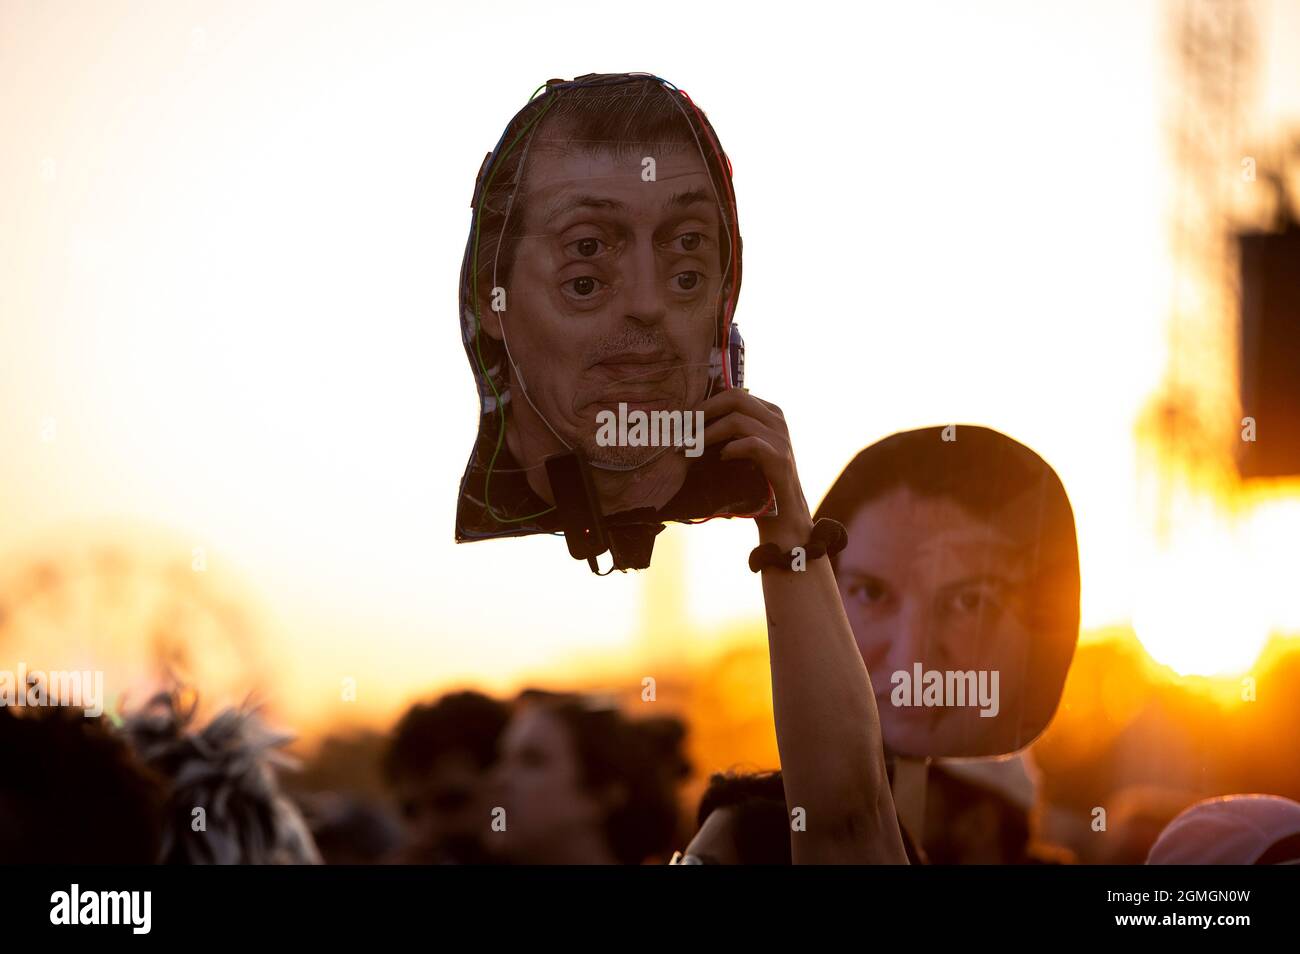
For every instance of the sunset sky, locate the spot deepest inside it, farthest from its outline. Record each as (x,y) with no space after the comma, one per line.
(230,237)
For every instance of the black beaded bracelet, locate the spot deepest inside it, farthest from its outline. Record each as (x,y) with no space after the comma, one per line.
(828,538)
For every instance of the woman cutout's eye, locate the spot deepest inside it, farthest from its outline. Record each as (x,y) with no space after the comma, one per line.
(686,281)
(972,600)
(584,286)
(869,592)
(586,247)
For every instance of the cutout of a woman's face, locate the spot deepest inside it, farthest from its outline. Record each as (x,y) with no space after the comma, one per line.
(924,581)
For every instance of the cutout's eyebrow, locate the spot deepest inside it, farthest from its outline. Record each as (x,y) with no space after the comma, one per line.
(976,578)
(849,569)
(682,199)
(569,203)
(563,204)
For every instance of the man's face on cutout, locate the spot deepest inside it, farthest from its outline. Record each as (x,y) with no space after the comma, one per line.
(925,582)
(613,294)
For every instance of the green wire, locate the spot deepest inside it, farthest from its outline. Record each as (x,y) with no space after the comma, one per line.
(478,327)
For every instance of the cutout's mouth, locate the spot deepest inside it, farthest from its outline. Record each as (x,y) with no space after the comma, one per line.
(643,380)
(638,366)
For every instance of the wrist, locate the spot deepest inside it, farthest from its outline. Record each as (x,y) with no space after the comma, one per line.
(785,530)
(825,539)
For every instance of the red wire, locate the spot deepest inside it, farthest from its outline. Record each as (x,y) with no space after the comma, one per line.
(722,157)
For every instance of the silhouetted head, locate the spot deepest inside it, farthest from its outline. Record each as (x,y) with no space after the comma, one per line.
(1232,830)
(438,766)
(742,820)
(74,792)
(579,781)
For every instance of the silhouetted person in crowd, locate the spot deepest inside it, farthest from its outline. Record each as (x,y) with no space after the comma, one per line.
(352,830)
(961,573)
(225,804)
(741,821)
(961,557)
(580,783)
(980,812)
(1135,817)
(1233,830)
(74,792)
(438,766)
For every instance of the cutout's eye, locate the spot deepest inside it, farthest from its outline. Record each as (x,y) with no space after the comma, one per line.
(688,242)
(972,600)
(868,592)
(686,281)
(586,247)
(584,286)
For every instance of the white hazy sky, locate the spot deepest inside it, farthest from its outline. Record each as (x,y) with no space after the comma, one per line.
(230,236)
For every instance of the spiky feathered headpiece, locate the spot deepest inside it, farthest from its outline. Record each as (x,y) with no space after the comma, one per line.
(226,805)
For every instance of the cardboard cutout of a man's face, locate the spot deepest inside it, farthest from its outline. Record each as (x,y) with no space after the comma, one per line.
(596,307)
(614,288)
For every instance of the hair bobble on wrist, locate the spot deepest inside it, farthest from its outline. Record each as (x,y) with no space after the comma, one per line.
(828,538)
